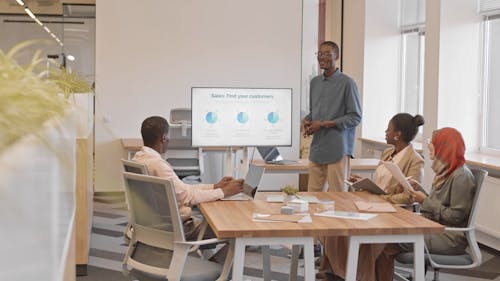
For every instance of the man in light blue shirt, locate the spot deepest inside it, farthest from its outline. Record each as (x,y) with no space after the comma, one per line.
(334,113)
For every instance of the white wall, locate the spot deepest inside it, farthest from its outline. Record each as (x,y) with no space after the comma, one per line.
(309,47)
(371,58)
(148,57)
(353,51)
(382,66)
(431,79)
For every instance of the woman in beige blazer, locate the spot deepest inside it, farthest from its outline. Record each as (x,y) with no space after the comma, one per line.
(401,130)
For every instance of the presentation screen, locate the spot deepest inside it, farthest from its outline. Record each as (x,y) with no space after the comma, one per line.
(241,116)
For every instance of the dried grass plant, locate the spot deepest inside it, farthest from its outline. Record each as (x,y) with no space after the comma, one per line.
(31,94)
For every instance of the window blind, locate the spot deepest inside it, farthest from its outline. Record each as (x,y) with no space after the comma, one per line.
(412,14)
(489,7)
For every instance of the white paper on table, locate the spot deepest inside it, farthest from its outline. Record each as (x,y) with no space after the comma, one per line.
(346,215)
(257,217)
(275,198)
(398,175)
(309,198)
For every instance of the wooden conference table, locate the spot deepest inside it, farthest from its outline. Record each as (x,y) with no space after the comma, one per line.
(233,220)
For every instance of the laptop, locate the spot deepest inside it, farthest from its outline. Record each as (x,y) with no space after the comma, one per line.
(250,185)
(366,184)
(271,155)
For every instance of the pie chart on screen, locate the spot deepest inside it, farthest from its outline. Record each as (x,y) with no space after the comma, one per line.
(273,117)
(242,117)
(211,117)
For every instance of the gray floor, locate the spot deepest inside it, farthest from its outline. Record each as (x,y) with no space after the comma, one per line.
(107,249)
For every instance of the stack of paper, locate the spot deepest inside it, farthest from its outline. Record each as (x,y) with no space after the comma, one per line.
(346,215)
(281,218)
(308,198)
(375,207)
(398,175)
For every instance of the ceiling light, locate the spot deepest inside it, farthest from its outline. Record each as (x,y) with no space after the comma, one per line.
(28,11)
(20,2)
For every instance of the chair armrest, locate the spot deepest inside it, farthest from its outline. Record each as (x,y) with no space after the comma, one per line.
(201,242)
(458,229)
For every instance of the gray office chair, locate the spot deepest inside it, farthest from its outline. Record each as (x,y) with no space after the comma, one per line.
(157,246)
(137,168)
(468,260)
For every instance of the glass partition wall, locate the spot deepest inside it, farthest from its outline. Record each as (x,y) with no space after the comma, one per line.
(37,172)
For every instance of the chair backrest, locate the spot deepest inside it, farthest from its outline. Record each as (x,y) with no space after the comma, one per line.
(154,211)
(479,177)
(134,167)
(474,251)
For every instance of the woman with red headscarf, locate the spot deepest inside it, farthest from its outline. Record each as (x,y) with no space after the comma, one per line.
(449,202)
(452,192)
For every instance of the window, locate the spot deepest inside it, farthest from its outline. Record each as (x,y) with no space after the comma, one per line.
(491,89)
(413,43)
(412,55)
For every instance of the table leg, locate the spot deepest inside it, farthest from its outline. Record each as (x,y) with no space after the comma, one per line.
(239,252)
(355,241)
(352,259)
(228,263)
(239,260)
(309,274)
(266,263)
(419,259)
(294,263)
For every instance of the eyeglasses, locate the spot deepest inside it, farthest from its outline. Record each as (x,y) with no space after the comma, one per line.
(324,54)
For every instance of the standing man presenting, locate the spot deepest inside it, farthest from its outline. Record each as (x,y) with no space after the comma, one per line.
(334,113)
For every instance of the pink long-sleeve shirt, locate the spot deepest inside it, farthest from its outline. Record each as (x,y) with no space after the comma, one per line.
(187,195)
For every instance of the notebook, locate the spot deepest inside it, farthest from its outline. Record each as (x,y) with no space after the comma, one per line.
(366,184)
(271,155)
(250,184)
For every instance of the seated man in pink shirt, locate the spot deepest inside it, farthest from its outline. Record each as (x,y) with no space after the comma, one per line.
(154,132)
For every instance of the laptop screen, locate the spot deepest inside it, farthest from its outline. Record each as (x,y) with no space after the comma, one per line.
(269,153)
(252,180)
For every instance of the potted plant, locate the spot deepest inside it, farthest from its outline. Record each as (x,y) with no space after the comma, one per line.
(32,94)
(290,192)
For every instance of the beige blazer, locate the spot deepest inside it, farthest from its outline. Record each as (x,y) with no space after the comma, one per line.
(412,164)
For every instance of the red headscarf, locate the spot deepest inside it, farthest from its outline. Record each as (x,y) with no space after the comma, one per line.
(449,150)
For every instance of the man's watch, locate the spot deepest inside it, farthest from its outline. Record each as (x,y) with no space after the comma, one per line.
(321,124)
